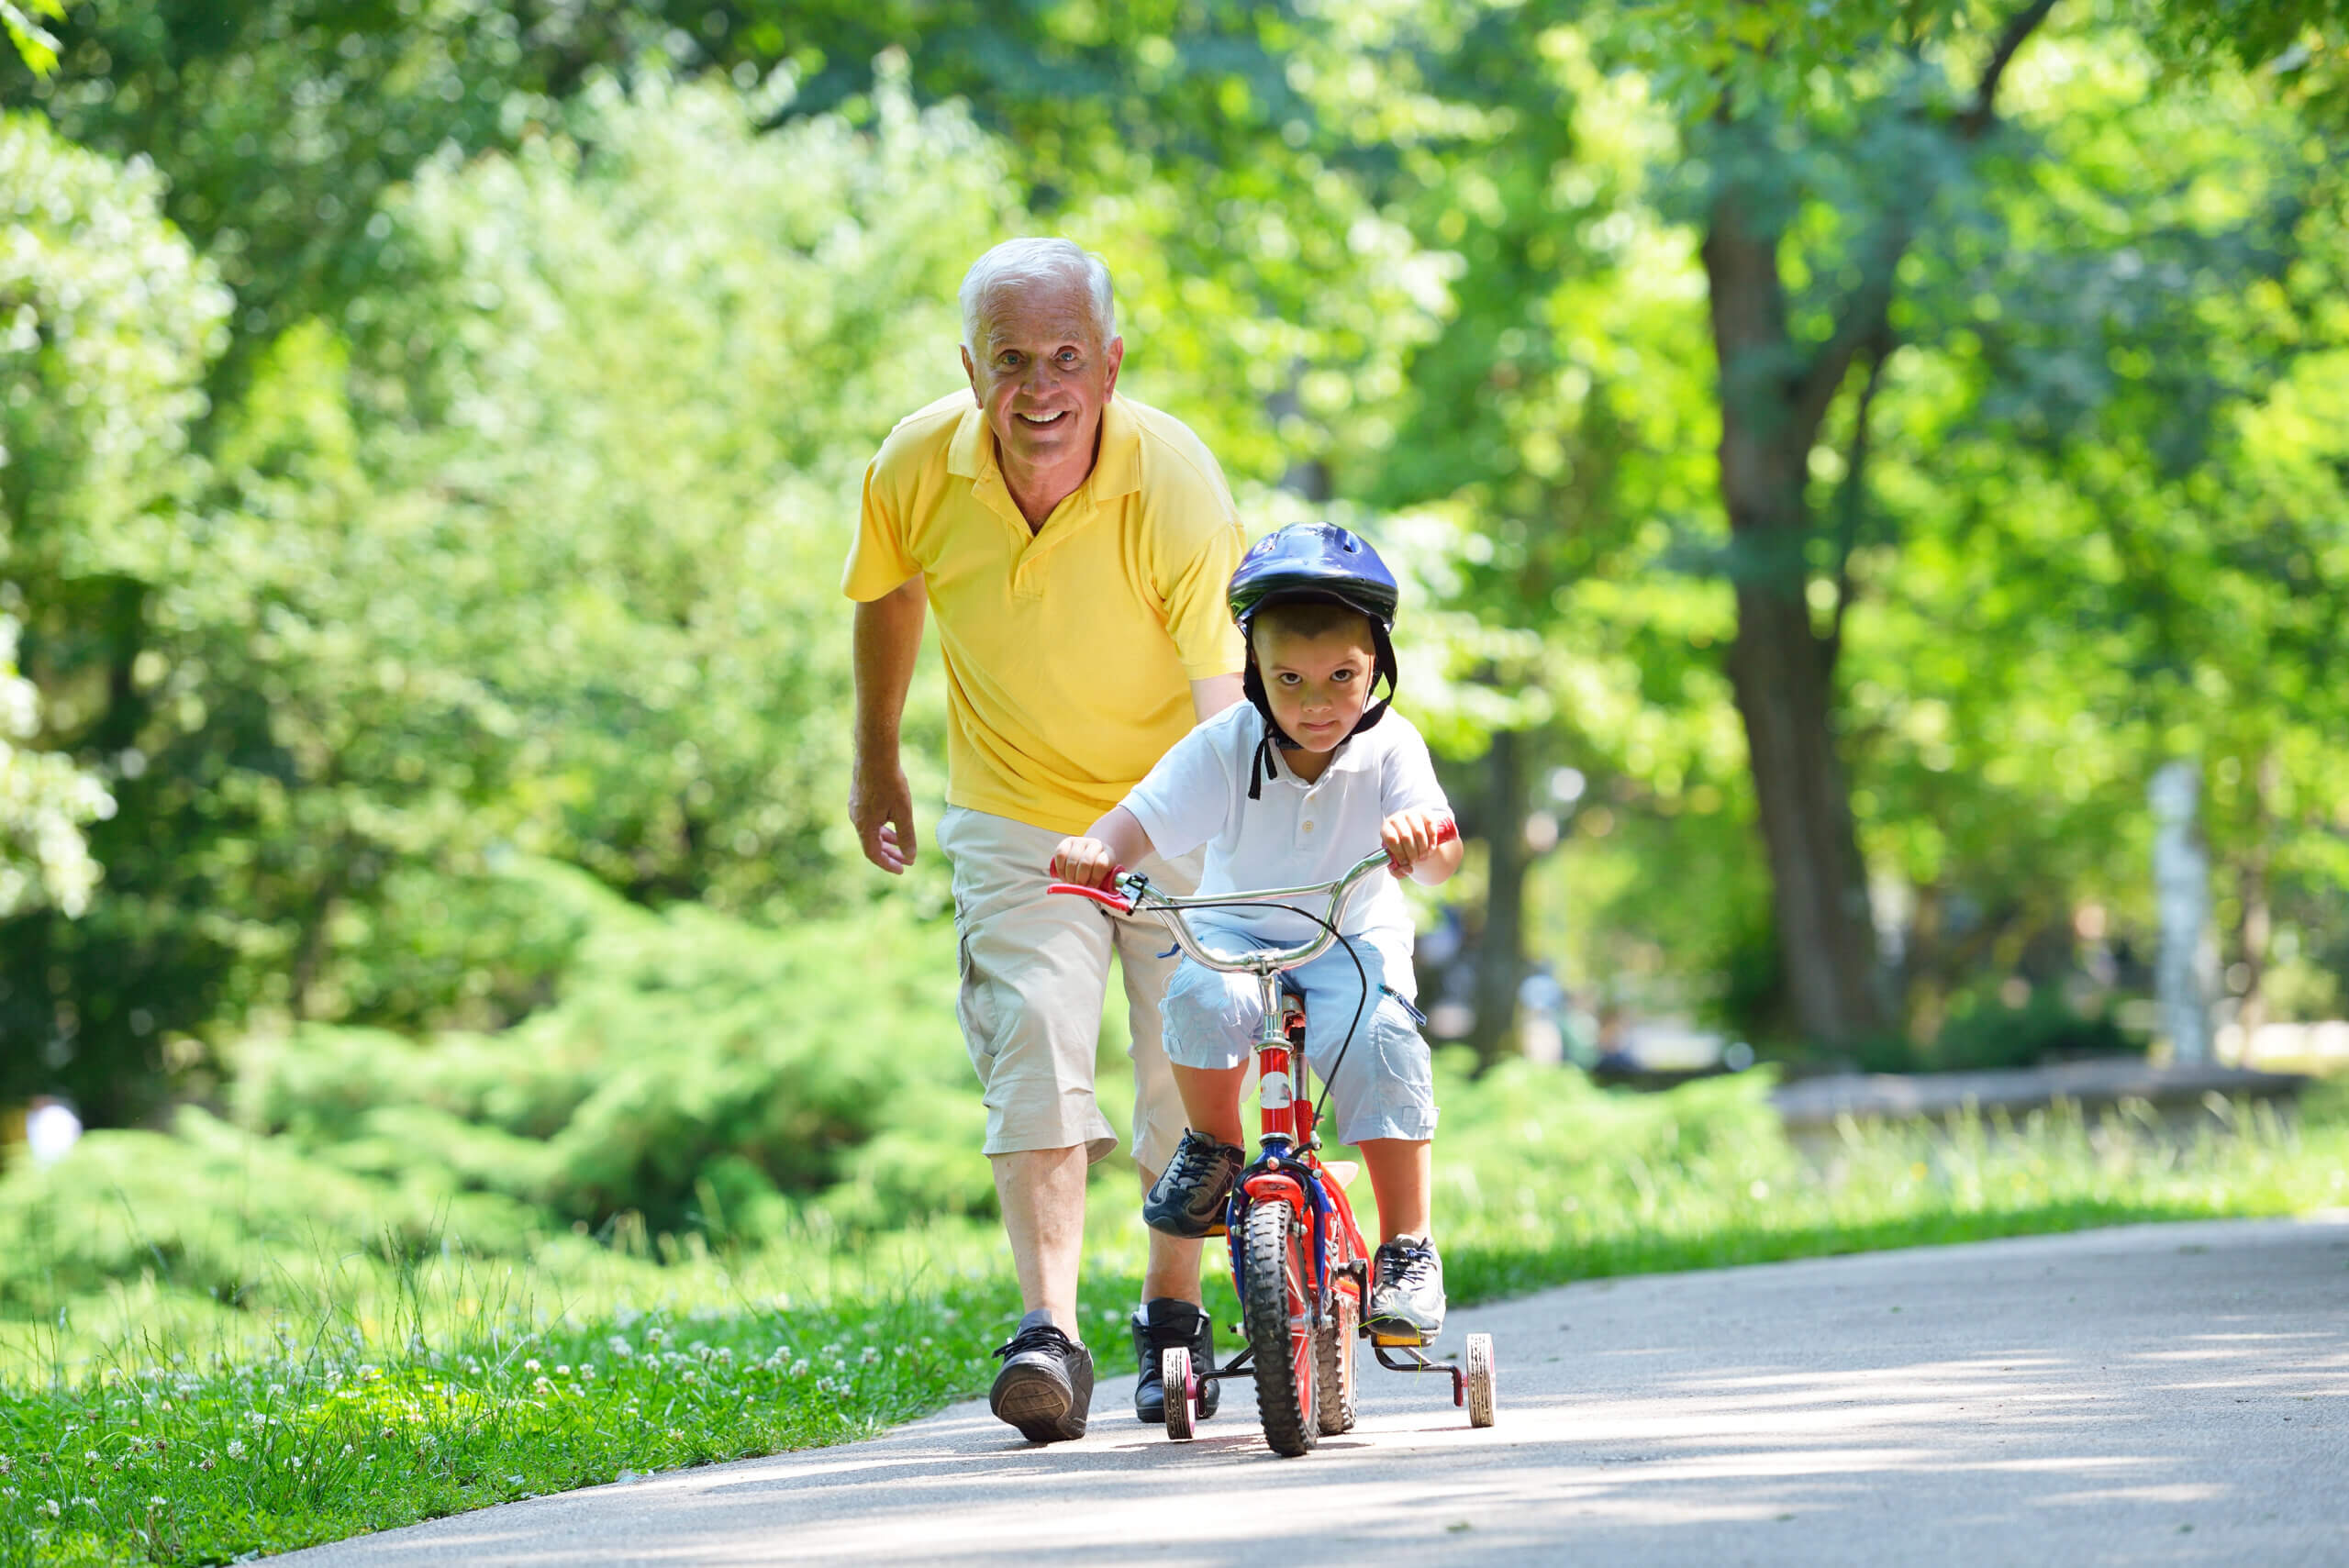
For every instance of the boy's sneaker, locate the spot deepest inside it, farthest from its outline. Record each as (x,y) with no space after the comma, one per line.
(1163,1323)
(1046,1385)
(1189,1198)
(1407,1290)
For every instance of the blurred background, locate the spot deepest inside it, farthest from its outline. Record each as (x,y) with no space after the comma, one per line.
(1840,458)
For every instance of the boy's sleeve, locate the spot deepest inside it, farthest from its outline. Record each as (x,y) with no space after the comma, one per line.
(1408,781)
(878,562)
(1184,799)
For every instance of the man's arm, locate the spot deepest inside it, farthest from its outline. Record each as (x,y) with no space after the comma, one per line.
(1212,696)
(887,641)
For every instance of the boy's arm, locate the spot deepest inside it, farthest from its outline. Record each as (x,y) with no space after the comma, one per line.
(1117,841)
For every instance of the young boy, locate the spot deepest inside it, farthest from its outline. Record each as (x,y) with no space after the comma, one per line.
(1294,788)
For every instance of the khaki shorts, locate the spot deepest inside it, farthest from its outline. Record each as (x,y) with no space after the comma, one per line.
(1035,972)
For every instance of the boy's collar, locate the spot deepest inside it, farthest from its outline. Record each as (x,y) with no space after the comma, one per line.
(1344,758)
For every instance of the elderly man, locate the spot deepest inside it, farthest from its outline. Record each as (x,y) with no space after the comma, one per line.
(1075,545)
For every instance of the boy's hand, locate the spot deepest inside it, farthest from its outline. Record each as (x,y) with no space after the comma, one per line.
(1409,837)
(1088,862)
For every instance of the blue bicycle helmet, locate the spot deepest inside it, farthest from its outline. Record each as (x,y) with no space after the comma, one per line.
(1313,564)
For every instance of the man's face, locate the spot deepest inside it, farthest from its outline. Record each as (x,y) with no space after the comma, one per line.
(1041,373)
(1318,686)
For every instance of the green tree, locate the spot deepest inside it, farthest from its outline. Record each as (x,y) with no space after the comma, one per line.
(109,320)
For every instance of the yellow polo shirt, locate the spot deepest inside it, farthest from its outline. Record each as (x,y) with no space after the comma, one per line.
(1070,651)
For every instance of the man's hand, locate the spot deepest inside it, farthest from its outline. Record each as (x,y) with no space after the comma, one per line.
(882,805)
(1088,862)
(1409,837)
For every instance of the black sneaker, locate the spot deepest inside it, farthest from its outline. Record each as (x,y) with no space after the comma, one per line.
(1046,1385)
(1407,1290)
(1189,1198)
(1163,1323)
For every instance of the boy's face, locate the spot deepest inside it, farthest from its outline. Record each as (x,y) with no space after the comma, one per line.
(1317,685)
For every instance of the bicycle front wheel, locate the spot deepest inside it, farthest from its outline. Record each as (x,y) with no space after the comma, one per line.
(1278,1315)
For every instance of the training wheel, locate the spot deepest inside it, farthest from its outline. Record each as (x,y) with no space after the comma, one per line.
(1479,1379)
(1174,1371)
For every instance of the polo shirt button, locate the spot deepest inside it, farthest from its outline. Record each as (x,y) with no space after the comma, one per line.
(1308,827)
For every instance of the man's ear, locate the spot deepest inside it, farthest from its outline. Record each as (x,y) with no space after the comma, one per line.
(970,373)
(1115,356)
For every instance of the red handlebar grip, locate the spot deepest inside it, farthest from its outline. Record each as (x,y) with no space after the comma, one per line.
(1107,900)
(1449,831)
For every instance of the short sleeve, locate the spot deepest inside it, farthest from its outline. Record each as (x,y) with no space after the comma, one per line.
(1198,608)
(1185,800)
(878,562)
(1408,782)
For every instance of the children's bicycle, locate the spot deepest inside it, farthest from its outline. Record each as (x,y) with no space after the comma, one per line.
(1298,1263)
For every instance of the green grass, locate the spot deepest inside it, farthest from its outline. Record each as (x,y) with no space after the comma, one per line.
(378,1389)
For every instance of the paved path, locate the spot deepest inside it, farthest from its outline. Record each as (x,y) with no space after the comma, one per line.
(2162,1394)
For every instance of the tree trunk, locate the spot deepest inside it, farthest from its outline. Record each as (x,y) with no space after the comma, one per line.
(1780,668)
(1500,954)
(2258,917)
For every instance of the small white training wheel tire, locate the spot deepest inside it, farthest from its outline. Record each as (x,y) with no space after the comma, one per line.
(1480,1380)
(1175,1374)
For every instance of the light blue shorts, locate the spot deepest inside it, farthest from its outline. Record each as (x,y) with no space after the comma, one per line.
(1384,1087)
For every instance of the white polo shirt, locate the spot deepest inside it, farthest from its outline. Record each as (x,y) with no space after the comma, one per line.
(1298,832)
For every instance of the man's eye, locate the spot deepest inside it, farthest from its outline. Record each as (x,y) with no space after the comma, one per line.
(1068,356)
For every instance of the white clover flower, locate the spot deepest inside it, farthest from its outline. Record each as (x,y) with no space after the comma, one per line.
(530,1365)
(235,1448)
(276,1389)
(562,1369)
(620,1346)
(872,1353)
(799,1368)
(49,1506)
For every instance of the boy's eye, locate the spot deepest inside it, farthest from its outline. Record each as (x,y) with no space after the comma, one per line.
(1341,674)
(1289,678)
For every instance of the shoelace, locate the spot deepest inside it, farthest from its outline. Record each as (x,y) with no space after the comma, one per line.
(1042,1336)
(1195,1160)
(1406,1266)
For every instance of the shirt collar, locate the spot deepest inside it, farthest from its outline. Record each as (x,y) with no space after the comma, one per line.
(1351,757)
(1117,466)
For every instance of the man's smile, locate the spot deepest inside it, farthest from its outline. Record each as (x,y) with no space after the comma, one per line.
(1042,421)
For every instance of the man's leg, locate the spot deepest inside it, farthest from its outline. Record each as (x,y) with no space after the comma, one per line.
(1041,1192)
(1034,968)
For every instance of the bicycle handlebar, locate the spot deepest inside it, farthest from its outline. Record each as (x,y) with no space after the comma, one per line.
(1141,898)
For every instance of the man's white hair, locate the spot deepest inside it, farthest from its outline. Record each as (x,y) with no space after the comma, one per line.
(1017,262)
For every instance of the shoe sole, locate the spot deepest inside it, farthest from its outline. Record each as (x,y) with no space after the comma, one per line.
(1399,1333)
(1038,1405)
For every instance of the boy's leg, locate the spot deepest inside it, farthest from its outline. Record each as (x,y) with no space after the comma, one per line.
(1211,1100)
(1382,1091)
(1401,1171)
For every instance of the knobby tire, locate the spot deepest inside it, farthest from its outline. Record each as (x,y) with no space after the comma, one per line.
(1275,1315)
